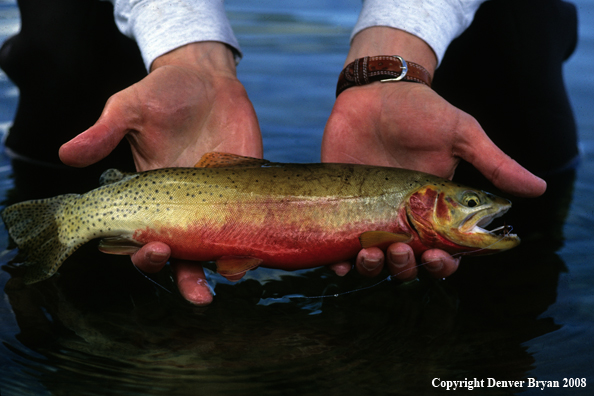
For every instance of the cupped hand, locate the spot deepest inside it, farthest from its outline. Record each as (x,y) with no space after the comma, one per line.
(408,125)
(180,111)
(190,104)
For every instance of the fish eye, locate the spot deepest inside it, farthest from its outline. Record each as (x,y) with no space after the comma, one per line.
(471,200)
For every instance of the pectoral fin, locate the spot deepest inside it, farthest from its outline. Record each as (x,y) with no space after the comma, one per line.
(382,239)
(119,245)
(235,265)
(226,160)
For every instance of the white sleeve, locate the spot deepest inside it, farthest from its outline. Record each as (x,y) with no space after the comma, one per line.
(159,26)
(437,22)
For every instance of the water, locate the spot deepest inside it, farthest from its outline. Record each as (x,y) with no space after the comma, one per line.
(99,328)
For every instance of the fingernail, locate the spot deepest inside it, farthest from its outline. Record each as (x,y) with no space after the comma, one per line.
(157,258)
(399,259)
(370,264)
(435,266)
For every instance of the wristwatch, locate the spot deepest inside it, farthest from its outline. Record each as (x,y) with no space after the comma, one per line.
(384,68)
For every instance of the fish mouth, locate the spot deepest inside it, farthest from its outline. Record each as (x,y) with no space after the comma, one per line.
(482,223)
(478,222)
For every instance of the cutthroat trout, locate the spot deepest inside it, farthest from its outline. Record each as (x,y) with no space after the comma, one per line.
(245,212)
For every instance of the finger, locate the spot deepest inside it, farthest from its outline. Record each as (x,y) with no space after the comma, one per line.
(370,261)
(341,269)
(504,172)
(152,257)
(99,140)
(191,282)
(401,261)
(439,264)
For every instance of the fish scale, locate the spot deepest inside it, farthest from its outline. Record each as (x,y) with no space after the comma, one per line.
(247,212)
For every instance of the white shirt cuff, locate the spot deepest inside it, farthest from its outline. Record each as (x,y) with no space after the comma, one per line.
(160,26)
(437,22)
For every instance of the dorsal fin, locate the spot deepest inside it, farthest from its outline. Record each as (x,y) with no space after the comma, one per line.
(226,160)
(112,176)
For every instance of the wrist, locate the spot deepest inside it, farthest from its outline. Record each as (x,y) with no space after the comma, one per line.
(211,57)
(381,40)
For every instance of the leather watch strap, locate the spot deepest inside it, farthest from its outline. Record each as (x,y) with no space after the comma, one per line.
(383,68)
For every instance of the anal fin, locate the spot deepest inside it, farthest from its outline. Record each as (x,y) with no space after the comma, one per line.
(235,265)
(119,245)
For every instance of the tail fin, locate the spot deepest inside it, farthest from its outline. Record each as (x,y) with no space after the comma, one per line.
(37,229)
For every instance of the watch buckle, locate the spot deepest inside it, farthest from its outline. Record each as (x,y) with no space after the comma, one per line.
(402,73)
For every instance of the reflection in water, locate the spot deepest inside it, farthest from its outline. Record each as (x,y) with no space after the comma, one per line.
(87,326)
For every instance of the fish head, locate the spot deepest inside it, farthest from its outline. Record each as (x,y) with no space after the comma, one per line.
(454,218)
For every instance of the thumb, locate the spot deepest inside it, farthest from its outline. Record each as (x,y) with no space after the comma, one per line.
(97,142)
(504,172)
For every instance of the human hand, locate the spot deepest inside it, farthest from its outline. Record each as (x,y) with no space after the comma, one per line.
(190,104)
(408,125)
